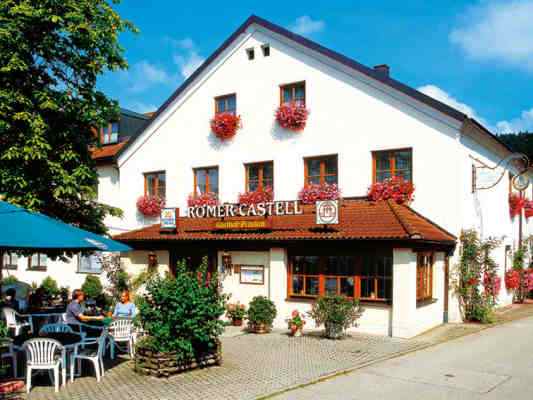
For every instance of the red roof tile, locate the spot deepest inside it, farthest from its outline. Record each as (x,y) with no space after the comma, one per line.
(107,151)
(359,220)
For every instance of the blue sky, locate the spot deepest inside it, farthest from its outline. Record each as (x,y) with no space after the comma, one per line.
(474,55)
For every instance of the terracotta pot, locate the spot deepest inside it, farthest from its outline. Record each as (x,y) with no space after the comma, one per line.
(334,331)
(236,322)
(296,331)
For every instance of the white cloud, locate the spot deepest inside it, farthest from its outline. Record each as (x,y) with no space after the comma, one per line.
(140,107)
(143,75)
(188,58)
(305,25)
(519,124)
(498,30)
(438,94)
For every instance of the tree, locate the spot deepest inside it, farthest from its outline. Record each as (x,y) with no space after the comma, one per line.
(519,142)
(51,53)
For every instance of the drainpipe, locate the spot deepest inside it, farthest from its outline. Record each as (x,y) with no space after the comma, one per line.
(446,287)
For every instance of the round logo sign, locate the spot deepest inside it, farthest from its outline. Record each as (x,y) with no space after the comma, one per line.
(327,212)
(520,182)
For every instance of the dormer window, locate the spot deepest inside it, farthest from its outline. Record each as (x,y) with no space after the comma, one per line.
(109,133)
(226,104)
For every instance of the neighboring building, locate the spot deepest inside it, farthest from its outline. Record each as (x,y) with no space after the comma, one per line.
(72,274)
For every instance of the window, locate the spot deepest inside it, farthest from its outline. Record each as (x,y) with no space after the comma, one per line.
(320,170)
(226,104)
(38,262)
(392,163)
(424,276)
(367,276)
(109,133)
(266,50)
(206,180)
(89,264)
(259,176)
(155,184)
(10,261)
(250,53)
(293,93)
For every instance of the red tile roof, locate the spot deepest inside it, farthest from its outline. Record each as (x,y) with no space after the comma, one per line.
(107,152)
(359,220)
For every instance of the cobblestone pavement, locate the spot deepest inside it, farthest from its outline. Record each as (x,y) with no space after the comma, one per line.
(253,366)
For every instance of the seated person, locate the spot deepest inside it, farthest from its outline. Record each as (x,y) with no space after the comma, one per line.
(75,310)
(125,308)
(11,299)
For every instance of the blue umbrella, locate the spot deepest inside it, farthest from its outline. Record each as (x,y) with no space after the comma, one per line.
(26,230)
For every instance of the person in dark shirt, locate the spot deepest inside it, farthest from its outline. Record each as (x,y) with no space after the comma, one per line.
(11,299)
(75,310)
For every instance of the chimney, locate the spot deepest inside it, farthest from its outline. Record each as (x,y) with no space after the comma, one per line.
(383,70)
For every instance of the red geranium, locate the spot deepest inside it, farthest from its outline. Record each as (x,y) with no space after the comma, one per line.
(528,208)
(204,199)
(492,284)
(292,116)
(150,206)
(224,125)
(312,193)
(516,203)
(472,282)
(255,197)
(395,188)
(528,279)
(512,279)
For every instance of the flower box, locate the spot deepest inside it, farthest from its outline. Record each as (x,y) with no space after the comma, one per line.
(149,362)
(256,197)
(204,199)
(225,125)
(150,206)
(396,188)
(312,193)
(516,204)
(292,116)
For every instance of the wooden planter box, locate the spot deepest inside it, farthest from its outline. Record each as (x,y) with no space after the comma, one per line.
(148,362)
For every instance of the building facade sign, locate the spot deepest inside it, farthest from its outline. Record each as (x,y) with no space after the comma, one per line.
(327,212)
(168,218)
(246,210)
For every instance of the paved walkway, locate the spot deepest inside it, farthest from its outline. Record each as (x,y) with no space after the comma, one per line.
(492,364)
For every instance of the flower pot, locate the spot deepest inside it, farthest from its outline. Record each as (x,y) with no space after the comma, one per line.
(236,322)
(296,331)
(334,331)
(259,328)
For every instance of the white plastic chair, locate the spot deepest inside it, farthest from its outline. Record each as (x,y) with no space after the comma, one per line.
(14,320)
(56,328)
(10,353)
(121,331)
(95,356)
(44,354)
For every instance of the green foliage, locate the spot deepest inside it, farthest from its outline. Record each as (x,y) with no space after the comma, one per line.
(520,142)
(92,287)
(51,53)
(118,279)
(519,257)
(9,280)
(336,310)
(49,286)
(182,314)
(476,266)
(261,310)
(4,331)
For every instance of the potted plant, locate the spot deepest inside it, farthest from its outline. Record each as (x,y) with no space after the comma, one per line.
(203,199)
(312,193)
(150,206)
(292,116)
(257,196)
(225,125)
(261,314)
(236,312)
(296,324)
(395,188)
(336,313)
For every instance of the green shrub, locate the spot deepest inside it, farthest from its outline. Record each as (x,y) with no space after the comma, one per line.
(261,310)
(336,310)
(182,314)
(49,287)
(9,280)
(4,330)
(92,287)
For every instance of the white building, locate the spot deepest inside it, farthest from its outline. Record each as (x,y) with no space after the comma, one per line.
(363,126)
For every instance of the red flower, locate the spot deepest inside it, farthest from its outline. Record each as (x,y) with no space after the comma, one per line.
(395,188)
(225,125)
(528,208)
(512,279)
(313,193)
(204,199)
(255,197)
(292,116)
(492,284)
(516,203)
(472,282)
(150,206)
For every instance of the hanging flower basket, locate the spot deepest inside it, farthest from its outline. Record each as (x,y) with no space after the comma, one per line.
(312,193)
(395,188)
(150,206)
(512,279)
(204,199)
(225,125)
(528,209)
(516,204)
(492,284)
(292,116)
(255,197)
